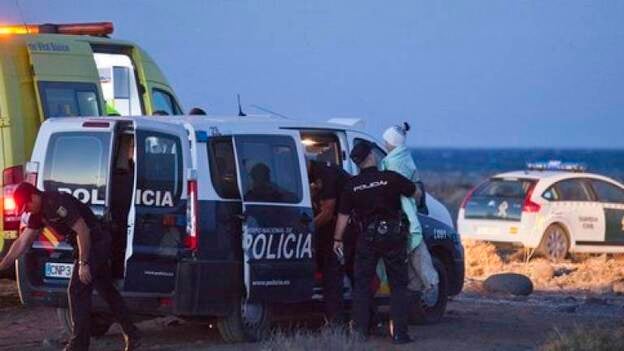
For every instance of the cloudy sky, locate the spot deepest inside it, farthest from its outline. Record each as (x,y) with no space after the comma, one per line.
(489,73)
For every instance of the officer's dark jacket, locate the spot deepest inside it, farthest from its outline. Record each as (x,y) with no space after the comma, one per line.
(333,180)
(374,190)
(60,211)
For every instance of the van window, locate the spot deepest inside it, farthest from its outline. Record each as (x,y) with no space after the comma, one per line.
(323,147)
(60,99)
(508,188)
(159,169)
(223,167)
(269,168)
(164,103)
(608,192)
(77,162)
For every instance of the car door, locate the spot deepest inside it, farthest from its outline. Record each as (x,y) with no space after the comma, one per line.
(157,217)
(277,241)
(611,198)
(574,204)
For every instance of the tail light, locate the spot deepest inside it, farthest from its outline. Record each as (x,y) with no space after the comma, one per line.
(528,205)
(11,177)
(192,208)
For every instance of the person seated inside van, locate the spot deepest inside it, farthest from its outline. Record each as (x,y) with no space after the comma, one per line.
(263,189)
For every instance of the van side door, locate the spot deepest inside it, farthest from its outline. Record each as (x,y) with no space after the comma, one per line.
(278,250)
(157,217)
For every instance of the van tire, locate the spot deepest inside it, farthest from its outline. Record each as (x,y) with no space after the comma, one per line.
(555,244)
(237,327)
(419,312)
(100,324)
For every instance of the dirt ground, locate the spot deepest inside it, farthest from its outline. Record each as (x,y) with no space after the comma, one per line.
(580,292)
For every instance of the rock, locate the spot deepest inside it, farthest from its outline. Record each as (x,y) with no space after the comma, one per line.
(618,287)
(509,283)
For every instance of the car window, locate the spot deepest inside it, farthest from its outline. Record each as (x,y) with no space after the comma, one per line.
(572,190)
(164,103)
(269,168)
(159,169)
(77,163)
(608,192)
(61,99)
(322,147)
(504,188)
(223,167)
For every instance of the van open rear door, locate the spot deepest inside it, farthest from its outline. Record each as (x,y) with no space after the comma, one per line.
(278,240)
(157,218)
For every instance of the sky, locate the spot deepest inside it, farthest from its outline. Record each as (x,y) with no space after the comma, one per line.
(488,73)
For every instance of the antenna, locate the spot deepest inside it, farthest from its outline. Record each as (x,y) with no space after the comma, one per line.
(240,108)
(19,8)
(269,111)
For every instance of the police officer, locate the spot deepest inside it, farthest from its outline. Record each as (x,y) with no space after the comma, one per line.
(373,199)
(71,218)
(328,180)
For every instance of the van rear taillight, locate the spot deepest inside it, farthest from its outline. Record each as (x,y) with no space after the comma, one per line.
(192,210)
(11,177)
(528,205)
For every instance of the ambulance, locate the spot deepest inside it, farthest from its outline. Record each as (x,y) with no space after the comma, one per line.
(217,217)
(50,70)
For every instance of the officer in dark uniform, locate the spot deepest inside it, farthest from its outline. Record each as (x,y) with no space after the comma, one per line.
(373,200)
(328,181)
(69,217)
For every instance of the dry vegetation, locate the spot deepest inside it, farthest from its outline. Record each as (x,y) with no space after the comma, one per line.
(600,274)
(608,338)
(335,339)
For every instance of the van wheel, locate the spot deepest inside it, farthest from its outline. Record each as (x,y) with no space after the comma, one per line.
(248,322)
(430,309)
(100,324)
(555,243)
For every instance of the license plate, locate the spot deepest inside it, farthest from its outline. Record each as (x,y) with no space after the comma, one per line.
(58,270)
(483,230)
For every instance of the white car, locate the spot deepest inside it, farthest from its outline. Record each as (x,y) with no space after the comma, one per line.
(553,207)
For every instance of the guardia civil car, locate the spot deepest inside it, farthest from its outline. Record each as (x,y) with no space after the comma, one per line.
(553,207)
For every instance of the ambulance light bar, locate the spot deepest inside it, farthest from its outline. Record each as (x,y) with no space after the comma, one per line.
(96,29)
(556,166)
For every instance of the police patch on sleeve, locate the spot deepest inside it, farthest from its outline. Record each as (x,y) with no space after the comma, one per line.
(61,211)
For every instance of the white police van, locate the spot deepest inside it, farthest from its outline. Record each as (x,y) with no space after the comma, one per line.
(553,207)
(218,212)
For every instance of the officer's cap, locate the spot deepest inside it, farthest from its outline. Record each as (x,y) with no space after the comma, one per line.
(22,195)
(360,151)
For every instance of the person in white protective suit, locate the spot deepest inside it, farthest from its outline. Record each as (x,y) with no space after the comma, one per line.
(422,274)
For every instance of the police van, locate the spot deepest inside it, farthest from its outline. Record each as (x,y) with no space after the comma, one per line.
(54,70)
(552,207)
(217,217)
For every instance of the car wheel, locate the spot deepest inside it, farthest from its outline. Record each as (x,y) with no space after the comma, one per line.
(429,307)
(248,322)
(555,243)
(100,324)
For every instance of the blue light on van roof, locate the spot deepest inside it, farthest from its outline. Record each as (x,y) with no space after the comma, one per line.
(555,165)
(201,136)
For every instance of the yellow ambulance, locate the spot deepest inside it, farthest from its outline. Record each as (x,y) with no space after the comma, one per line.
(60,70)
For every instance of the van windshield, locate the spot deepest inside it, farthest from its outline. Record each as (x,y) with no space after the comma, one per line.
(77,163)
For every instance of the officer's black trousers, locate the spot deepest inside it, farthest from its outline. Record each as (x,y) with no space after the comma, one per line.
(367,254)
(80,297)
(333,273)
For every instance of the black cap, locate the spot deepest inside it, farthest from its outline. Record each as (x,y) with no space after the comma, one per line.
(360,151)
(22,195)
